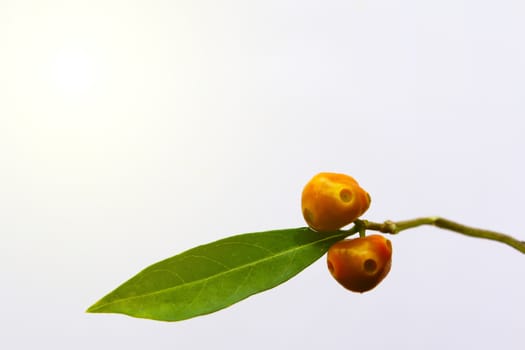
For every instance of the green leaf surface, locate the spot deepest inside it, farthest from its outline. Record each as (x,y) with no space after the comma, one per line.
(213,276)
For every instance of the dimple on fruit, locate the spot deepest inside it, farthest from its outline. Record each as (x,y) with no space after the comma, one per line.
(362,263)
(330,201)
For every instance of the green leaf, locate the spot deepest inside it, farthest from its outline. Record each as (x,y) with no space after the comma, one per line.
(213,276)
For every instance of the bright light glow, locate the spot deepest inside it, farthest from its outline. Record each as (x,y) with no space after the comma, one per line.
(73,70)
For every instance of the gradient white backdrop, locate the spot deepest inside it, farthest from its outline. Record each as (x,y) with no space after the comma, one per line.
(133,130)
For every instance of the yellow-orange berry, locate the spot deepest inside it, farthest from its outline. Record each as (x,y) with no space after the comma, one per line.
(330,201)
(360,264)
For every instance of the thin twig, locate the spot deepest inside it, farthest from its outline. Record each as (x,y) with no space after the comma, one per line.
(396,227)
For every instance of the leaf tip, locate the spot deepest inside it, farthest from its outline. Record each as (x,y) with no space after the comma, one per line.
(91,309)
(95,308)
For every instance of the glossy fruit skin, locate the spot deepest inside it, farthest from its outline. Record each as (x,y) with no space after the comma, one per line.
(330,201)
(360,264)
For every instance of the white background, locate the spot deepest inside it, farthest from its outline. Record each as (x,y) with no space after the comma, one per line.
(133,130)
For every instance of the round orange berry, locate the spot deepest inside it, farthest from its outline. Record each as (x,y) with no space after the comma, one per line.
(360,264)
(330,201)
